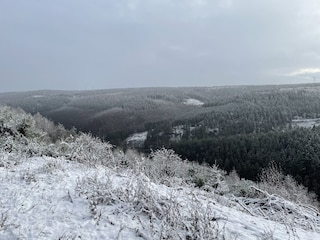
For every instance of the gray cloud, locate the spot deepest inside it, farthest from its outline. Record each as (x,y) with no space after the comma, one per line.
(80,44)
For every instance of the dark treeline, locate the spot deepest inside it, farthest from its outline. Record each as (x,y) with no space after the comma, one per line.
(297,151)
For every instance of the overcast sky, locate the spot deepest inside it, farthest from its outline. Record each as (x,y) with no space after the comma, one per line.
(99,44)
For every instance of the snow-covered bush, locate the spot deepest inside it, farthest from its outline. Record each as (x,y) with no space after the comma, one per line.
(161,215)
(210,178)
(25,135)
(166,167)
(53,131)
(274,181)
(276,197)
(36,136)
(240,187)
(19,133)
(130,159)
(281,210)
(164,164)
(90,150)
(17,123)
(8,160)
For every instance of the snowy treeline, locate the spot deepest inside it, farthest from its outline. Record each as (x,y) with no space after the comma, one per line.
(60,184)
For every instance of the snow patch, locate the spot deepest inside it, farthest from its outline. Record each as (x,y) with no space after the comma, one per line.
(193,102)
(137,139)
(306,122)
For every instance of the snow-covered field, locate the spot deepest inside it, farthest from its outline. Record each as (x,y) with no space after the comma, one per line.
(193,102)
(87,191)
(306,122)
(48,198)
(137,137)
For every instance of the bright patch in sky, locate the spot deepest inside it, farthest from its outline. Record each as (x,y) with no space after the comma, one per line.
(305,71)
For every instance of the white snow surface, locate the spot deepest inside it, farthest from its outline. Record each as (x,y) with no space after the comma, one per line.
(193,102)
(37,96)
(137,137)
(48,198)
(306,122)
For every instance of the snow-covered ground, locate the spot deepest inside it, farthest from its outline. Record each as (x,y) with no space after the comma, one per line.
(48,198)
(306,122)
(137,138)
(193,102)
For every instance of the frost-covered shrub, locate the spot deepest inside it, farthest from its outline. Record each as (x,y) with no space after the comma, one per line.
(17,123)
(160,215)
(167,162)
(210,178)
(53,131)
(19,133)
(165,166)
(36,136)
(51,167)
(239,187)
(91,150)
(274,181)
(8,160)
(130,159)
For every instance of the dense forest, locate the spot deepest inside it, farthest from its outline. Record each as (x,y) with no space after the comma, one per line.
(258,131)
(297,151)
(242,128)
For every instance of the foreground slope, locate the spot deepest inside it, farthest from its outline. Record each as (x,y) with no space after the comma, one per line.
(48,198)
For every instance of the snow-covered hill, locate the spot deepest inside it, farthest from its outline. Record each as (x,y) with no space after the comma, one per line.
(49,198)
(84,190)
